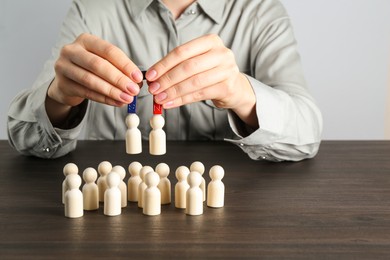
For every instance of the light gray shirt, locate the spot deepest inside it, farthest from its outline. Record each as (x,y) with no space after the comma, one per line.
(260,34)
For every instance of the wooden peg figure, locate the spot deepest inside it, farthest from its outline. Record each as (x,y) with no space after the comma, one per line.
(122,185)
(151,195)
(73,197)
(133,135)
(181,187)
(216,188)
(112,195)
(90,189)
(69,168)
(194,195)
(157,137)
(164,185)
(142,186)
(199,167)
(104,168)
(134,181)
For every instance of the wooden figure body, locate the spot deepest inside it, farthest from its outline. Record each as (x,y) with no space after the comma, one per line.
(74,197)
(69,168)
(194,195)
(151,195)
(216,188)
(133,135)
(122,185)
(157,137)
(199,167)
(142,186)
(90,189)
(181,187)
(112,195)
(134,181)
(164,185)
(104,168)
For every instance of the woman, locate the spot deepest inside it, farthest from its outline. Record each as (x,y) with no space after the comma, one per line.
(221,69)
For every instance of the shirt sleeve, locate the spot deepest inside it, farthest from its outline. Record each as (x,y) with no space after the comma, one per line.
(29,129)
(290,126)
(290,122)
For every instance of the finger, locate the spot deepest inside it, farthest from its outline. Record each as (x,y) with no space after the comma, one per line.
(76,91)
(191,97)
(194,86)
(209,93)
(91,82)
(183,52)
(187,69)
(113,54)
(104,69)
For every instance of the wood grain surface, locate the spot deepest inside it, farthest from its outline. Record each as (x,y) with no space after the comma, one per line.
(335,206)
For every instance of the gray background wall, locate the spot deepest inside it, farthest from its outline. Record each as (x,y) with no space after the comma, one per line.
(345,48)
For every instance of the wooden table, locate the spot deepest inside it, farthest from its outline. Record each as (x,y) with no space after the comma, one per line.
(336,205)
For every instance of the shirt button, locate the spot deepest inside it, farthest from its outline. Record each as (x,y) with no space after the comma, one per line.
(191,12)
(242,145)
(46,149)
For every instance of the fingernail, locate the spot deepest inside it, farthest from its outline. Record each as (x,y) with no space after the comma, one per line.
(168,104)
(137,76)
(119,104)
(151,75)
(126,97)
(153,87)
(160,97)
(133,88)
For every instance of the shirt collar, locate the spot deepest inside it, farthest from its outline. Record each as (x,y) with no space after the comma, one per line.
(139,6)
(213,9)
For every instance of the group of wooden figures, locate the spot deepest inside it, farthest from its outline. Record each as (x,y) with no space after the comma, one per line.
(148,187)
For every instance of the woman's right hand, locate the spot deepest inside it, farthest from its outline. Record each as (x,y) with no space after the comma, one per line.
(94,69)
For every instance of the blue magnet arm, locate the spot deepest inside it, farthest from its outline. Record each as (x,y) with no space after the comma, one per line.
(132,107)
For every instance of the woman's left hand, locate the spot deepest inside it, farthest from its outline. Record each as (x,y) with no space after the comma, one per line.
(203,69)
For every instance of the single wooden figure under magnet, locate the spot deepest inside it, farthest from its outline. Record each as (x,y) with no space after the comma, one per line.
(133,134)
(157,137)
